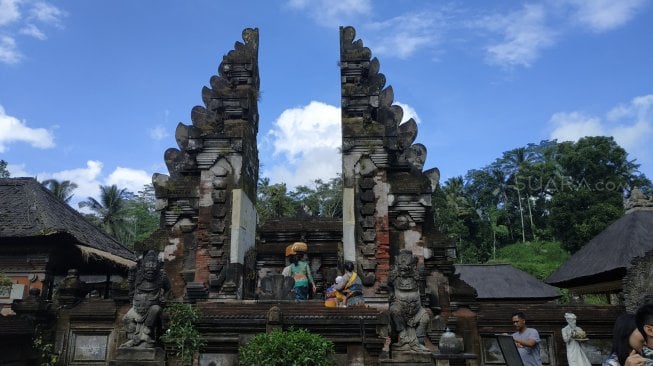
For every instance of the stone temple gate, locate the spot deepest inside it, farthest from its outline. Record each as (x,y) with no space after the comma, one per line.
(209,230)
(207,202)
(217,257)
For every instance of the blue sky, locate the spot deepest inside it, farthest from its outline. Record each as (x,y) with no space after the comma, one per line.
(92,91)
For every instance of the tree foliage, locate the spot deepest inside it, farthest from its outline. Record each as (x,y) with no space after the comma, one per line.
(323,199)
(566,192)
(61,189)
(182,332)
(4,173)
(597,177)
(44,347)
(5,281)
(126,216)
(111,210)
(141,215)
(273,201)
(540,259)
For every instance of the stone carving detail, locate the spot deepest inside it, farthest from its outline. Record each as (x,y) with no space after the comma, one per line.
(276,287)
(274,319)
(149,288)
(410,320)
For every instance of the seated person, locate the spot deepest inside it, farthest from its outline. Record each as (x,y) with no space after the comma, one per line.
(334,298)
(351,286)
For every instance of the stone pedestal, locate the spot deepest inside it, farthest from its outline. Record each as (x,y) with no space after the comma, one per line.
(407,358)
(139,357)
(442,359)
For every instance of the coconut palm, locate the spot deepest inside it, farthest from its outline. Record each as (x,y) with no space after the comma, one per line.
(454,190)
(514,162)
(62,189)
(111,210)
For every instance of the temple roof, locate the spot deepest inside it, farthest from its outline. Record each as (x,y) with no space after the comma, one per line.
(28,210)
(504,282)
(609,254)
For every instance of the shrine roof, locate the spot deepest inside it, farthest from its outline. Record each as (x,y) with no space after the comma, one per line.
(28,210)
(503,281)
(609,254)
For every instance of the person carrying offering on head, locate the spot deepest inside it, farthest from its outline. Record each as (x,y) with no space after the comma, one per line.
(300,272)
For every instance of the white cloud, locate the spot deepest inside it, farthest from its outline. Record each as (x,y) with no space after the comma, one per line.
(13,24)
(158,133)
(634,123)
(90,178)
(527,32)
(9,12)
(87,180)
(631,125)
(302,129)
(308,138)
(13,130)
(524,35)
(132,179)
(606,15)
(409,112)
(9,53)
(33,31)
(324,163)
(639,108)
(571,126)
(47,13)
(332,13)
(17,170)
(404,35)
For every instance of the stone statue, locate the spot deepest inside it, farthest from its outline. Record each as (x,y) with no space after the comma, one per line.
(150,286)
(572,334)
(71,289)
(638,199)
(72,281)
(140,321)
(410,320)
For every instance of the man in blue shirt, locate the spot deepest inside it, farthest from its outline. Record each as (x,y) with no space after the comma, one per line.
(527,340)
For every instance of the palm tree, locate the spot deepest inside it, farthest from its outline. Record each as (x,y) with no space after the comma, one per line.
(454,189)
(111,210)
(61,189)
(514,161)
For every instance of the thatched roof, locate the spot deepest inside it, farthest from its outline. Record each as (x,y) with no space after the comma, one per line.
(504,282)
(609,254)
(29,210)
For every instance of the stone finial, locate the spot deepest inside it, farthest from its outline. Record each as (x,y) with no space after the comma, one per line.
(638,201)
